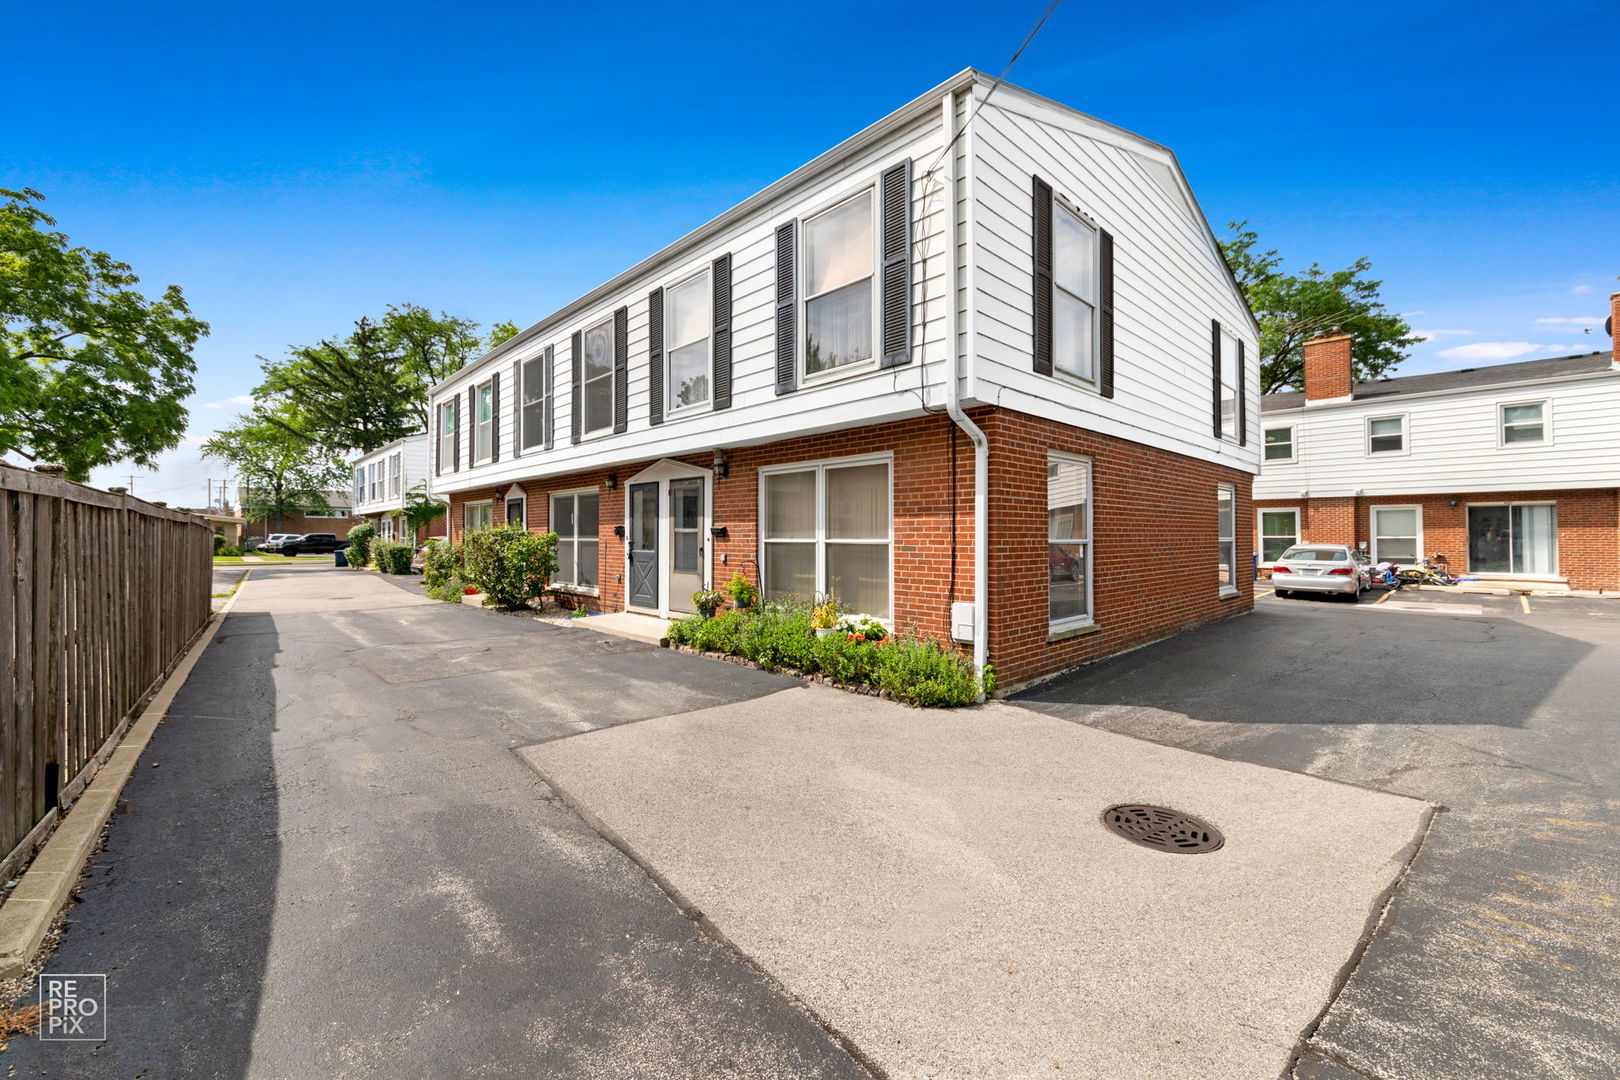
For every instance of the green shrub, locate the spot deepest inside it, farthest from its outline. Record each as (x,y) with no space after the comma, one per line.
(853,663)
(779,638)
(684,631)
(926,673)
(219,542)
(441,563)
(450,589)
(360,538)
(392,557)
(743,592)
(510,565)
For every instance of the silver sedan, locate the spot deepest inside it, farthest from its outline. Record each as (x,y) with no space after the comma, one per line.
(1329,568)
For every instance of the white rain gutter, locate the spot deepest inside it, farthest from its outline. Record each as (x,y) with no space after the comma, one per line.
(953,390)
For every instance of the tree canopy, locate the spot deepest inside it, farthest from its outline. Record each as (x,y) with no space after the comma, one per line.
(1293,308)
(282,471)
(91,371)
(353,394)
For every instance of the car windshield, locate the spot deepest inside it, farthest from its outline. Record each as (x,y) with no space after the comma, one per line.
(1317,554)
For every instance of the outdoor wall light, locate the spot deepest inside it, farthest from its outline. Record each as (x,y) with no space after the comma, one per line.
(1453,504)
(613,481)
(718,532)
(721,467)
(618,530)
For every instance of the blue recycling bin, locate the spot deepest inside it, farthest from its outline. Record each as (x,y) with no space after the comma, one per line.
(339,559)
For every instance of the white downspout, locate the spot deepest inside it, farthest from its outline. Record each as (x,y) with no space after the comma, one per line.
(953,391)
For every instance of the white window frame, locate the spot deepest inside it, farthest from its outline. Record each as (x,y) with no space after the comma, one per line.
(483,431)
(533,440)
(1261,535)
(394,466)
(1266,445)
(1061,205)
(488,507)
(359,484)
(1232,570)
(1372,528)
(1502,423)
(447,434)
(551,526)
(801,275)
(821,539)
(1231,391)
(506,510)
(673,408)
(1077,622)
(1468,556)
(585,381)
(1406,435)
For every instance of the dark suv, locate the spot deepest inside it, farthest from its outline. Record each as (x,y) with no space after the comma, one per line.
(312,544)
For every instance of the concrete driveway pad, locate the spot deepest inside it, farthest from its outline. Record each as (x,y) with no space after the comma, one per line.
(937,886)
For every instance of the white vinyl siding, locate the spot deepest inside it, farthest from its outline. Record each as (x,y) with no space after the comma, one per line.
(1226,528)
(1068,542)
(575,518)
(827,531)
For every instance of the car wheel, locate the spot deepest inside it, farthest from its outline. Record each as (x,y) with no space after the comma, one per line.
(1281,594)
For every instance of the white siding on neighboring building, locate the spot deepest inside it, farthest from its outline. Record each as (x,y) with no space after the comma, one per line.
(413,453)
(1453,443)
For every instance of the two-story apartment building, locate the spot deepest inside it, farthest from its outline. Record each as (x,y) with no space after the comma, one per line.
(386,478)
(979,370)
(1510,471)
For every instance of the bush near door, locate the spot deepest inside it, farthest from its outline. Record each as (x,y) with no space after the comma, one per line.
(392,557)
(359,551)
(509,565)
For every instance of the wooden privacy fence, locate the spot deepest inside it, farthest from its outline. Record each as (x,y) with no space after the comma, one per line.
(100,594)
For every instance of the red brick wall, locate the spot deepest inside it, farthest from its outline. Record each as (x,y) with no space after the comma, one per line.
(1588,526)
(1154,550)
(300,524)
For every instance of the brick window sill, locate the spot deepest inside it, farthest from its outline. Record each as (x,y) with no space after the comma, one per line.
(1072,632)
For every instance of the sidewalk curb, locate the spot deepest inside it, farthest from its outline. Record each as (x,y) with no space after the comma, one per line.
(27,914)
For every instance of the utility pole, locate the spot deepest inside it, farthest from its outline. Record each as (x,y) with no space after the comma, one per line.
(131,484)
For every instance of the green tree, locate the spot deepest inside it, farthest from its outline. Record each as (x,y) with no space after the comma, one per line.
(429,347)
(502,331)
(282,471)
(419,510)
(346,395)
(91,371)
(1293,308)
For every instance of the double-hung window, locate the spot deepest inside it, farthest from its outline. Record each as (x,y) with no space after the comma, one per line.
(838,299)
(1524,423)
(1280,444)
(688,325)
(1386,435)
(359,484)
(574,519)
(447,435)
(484,423)
(1279,531)
(1231,373)
(1068,541)
(1226,527)
(534,407)
(1074,293)
(376,480)
(827,531)
(478,515)
(393,476)
(597,347)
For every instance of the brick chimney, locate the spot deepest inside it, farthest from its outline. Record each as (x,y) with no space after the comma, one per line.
(1328,368)
(1614,326)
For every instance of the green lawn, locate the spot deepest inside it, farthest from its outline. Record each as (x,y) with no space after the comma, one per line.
(264,557)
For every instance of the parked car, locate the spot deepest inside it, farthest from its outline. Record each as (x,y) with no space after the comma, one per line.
(1329,568)
(309,544)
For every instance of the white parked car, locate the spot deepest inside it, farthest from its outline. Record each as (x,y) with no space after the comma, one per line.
(1329,568)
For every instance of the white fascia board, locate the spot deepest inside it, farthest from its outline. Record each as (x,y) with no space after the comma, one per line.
(1394,400)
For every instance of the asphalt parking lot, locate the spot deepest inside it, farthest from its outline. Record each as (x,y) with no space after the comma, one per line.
(1499,953)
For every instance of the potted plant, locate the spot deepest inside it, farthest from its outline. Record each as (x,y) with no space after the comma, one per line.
(743,592)
(708,601)
(824,615)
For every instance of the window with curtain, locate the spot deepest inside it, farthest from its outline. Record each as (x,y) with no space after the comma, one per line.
(827,529)
(1397,533)
(1068,541)
(1513,538)
(534,403)
(838,285)
(1074,294)
(688,323)
(597,373)
(1226,527)
(574,518)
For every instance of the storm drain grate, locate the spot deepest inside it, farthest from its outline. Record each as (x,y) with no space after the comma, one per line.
(1163,829)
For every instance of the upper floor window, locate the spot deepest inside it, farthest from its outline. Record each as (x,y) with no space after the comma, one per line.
(447,435)
(688,323)
(376,480)
(484,423)
(838,259)
(597,347)
(394,464)
(360,484)
(1231,374)
(534,404)
(1280,444)
(1074,294)
(1524,423)
(1386,434)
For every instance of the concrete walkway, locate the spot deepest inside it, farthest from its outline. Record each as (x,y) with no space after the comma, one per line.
(938,887)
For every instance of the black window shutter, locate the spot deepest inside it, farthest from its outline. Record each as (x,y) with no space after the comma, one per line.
(896,274)
(455,434)
(519,394)
(1242,398)
(1215,364)
(655,356)
(1041,210)
(621,370)
(787,308)
(721,344)
(548,414)
(577,405)
(495,416)
(1105,315)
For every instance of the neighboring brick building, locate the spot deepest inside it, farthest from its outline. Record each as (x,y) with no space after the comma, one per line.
(1040,447)
(334,519)
(1511,472)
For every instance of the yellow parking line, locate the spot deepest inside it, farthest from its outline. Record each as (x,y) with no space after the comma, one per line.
(1388,593)
(1524,602)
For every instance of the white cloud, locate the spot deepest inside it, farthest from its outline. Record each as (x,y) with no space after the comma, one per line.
(1495,350)
(1577,290)
(1431,335)
(231,402)
(1579,320)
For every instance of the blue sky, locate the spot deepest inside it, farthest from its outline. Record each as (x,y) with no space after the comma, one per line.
(298,166)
